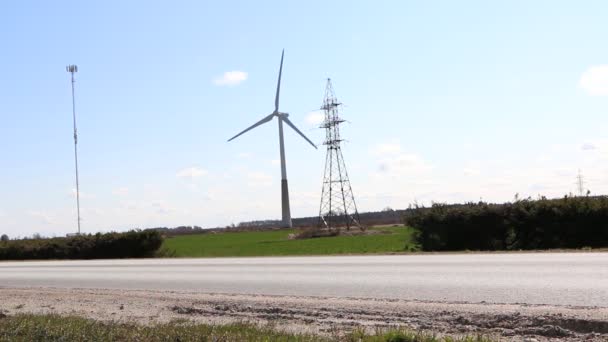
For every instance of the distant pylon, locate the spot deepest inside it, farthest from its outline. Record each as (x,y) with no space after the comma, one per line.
(580,183)
(338,206)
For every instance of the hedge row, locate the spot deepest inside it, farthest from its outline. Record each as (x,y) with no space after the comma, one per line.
(132,244)
(569,222)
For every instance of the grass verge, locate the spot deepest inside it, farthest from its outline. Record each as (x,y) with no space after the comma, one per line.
(269,243)
(27,327)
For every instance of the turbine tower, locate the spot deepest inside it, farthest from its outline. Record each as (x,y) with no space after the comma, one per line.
(338,207)
(282,117)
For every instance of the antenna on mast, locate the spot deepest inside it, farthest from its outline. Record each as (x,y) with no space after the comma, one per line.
(72,69)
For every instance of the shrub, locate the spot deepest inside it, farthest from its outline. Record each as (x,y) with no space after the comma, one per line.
(132,244)
(569,222)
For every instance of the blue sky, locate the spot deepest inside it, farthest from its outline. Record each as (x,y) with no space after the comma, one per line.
(447,101)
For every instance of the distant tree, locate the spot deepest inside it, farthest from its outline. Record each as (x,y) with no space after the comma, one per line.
(4,237)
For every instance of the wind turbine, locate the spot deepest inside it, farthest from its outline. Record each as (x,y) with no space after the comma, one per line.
(282,117)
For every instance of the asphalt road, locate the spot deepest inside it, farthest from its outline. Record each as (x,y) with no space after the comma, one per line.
(579,279)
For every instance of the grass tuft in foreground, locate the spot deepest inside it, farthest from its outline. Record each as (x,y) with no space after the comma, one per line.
(277,243)
(27,327)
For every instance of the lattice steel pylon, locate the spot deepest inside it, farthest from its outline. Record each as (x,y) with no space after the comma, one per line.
(338,207)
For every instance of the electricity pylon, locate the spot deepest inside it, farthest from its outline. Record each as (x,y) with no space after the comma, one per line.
(338,207)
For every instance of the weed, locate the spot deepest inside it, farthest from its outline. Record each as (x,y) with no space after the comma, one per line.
(28,327)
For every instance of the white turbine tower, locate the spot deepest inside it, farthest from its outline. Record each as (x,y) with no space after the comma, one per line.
(282,117)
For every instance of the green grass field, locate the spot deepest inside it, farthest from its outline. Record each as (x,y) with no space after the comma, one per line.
(266,243)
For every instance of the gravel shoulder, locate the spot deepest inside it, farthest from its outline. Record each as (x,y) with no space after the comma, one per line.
(319,315)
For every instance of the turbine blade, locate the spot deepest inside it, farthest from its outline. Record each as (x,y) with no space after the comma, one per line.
(276,98)
(297,130)
(263,121)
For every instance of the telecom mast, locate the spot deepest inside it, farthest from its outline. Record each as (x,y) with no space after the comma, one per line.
(338,206)
(72,69)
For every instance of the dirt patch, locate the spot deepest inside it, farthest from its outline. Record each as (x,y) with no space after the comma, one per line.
(311,233)
(316,314)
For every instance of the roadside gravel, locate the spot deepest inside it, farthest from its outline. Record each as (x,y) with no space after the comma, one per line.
(320,315)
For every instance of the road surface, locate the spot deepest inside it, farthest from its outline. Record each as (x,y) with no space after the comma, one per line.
(576,279)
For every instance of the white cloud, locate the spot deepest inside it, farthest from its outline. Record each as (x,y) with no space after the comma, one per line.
(244,155)
(41,216)
(472,168)
(314,118)
(191,173)
(275,162)
(256,179)
(391,159)
(588,147)
(93,211)
(124,191)
(161,207)
(595,80)
(231,78)
(471,171)
(131,206)
(385,149)
(399,177)
(544,158)
(403,164)
(83,195)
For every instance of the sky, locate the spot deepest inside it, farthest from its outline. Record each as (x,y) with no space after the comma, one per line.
(446,101)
